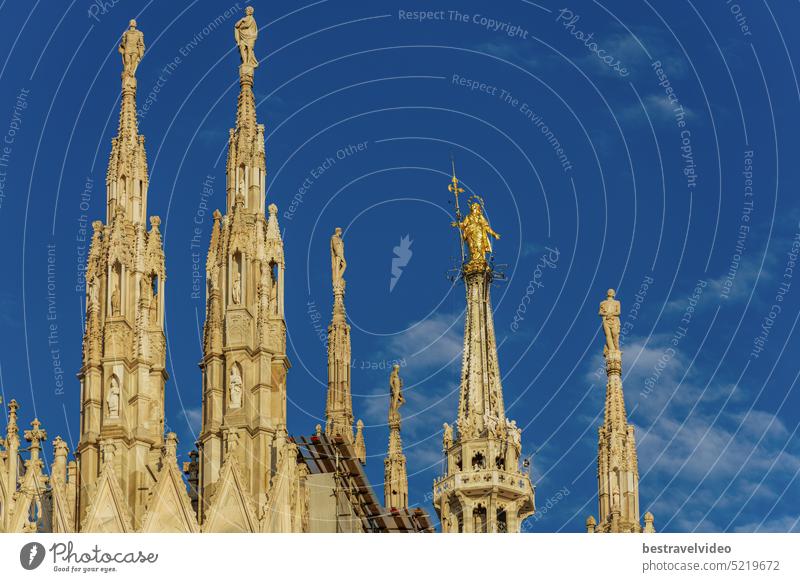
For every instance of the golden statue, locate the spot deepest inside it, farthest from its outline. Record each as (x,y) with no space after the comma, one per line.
(475,231)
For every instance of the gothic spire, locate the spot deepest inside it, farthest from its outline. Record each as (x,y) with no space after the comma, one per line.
(339,407)
(395,486)
(126,179)
(617,464)
(246,154)
(488,445)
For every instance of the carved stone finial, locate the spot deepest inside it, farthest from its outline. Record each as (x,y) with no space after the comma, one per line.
(171,446)
(590,524)
(155,222)
(35,436)
(318,430)
(360,445)
(60,448)
(12,417)
(649,527)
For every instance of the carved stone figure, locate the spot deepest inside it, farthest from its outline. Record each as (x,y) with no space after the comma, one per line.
(144,287)
(115,299)
(132,49)
(93,292)
(236,291)
(447,438)
(112,401)
(475,231)
(245,33)
(338,262)
(609,311)
(396,392)
(236,387)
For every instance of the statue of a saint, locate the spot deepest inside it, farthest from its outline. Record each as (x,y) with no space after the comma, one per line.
(132,49)
(236,387)
(338,263)
(115,300)
(112,401)
(516,433)
(475,230)
(93,292)
(236,291)
(396,392)
(609,311)
(245,33)
(447,438)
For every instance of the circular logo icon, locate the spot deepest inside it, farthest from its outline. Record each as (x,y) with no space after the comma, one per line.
(31,555)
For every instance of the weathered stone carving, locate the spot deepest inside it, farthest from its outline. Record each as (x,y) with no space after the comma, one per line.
(113,400)
(132,49)
(609,311)
(245,33)
(338,262)
(236,387)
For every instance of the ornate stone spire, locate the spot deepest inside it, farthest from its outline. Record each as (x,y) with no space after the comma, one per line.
(244,358)
(339,407)
(12,456)
(246,153)
(395,485)
(124,348)
(126,179)
(617,464)
(488,446)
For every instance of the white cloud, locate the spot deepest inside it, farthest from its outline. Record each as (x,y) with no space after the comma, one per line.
(704,452)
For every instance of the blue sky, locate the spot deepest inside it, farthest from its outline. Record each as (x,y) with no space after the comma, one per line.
(656,156)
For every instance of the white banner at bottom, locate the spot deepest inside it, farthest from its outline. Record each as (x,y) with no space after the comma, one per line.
(335,557)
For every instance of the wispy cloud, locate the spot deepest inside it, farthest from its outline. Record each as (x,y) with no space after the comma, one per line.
(705,452)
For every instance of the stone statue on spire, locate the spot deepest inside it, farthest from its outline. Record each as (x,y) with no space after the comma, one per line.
(245,33)
(609,311)
(132,49)
(396,393)
(338,262)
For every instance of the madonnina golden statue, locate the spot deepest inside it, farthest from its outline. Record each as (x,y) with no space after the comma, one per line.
(475,231)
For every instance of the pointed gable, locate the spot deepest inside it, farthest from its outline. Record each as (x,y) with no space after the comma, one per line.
(169,509)
(31,513)
(108,511)
(61,513)
(231,509)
